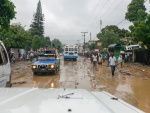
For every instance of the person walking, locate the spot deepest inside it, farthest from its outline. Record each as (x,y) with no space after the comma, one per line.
(94,60)
(112,62)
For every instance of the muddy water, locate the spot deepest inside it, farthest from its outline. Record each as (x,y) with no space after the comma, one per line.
(130,83)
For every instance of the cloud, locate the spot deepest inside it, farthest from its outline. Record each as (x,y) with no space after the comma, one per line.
(65,19)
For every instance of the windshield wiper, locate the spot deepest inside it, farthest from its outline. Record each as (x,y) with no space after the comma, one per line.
(65,96)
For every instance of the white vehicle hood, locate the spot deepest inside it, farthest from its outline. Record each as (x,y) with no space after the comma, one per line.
(34,100)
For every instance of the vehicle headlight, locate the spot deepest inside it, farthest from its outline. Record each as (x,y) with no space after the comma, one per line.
(33,66)
(52,66)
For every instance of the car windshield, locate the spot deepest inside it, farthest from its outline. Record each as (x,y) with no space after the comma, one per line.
(48,52)
(46,57)
(97,45)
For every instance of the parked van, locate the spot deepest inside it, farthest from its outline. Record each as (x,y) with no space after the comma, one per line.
(5,69)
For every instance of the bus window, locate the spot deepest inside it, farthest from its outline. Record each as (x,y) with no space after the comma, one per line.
(5,55)
(70,49)
(1,60)
(66,49)
(76,49)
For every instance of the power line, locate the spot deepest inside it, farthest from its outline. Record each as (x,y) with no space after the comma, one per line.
(100,10)
(108,9)
(120,22)
(106,12)
(111,11)
(114,9)
(93,11)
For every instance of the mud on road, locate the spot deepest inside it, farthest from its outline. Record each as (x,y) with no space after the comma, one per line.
(130,83)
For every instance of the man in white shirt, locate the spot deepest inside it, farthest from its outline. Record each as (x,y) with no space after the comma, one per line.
(112,62)
(94,60)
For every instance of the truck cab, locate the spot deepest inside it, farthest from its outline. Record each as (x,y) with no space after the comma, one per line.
(5,69)
(48,61)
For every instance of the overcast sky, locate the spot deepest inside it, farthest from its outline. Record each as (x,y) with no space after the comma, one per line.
(66,19)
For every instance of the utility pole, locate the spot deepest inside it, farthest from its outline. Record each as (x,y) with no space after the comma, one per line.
(84,40)
(90,36)
(100,25)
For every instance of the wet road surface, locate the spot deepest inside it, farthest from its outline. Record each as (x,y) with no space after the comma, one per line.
(130,83)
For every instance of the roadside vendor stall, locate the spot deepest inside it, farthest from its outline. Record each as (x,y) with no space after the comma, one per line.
(116,49)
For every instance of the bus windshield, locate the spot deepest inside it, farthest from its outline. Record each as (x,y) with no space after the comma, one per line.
(71,49)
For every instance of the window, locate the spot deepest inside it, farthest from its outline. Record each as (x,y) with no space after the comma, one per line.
(5,55)
(66,49)
(70,49)
(1,60)
(76,49)
(48,52)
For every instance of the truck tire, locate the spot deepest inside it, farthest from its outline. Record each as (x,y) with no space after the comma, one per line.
(34,73)
(8,84)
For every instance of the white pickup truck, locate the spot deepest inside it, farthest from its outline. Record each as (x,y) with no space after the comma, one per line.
(35,100)
(5,69)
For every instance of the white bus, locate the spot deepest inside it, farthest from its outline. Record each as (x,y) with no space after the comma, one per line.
(71,52)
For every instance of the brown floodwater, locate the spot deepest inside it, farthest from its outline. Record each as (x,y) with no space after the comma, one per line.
(130,83)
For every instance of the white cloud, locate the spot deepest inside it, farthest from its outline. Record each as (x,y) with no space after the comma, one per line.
(65,19)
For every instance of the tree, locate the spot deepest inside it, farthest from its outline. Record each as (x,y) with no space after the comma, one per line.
(7,13)
(36,42)
(15,36)
(142,32)
(107,37)
(46,41)
(57,44)
(37,26)
(92,46)
(136,11)
(141,22)
(121,32)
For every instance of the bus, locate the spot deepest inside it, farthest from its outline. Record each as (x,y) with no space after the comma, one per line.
(71,52)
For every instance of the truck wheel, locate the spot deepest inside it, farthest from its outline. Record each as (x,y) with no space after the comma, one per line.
(55,71)
(34,73)
(8,84)
(58,68)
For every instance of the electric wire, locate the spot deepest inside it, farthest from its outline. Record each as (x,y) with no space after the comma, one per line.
(105,12)
(100,11)
(112,12)
(93,11)
(120,22)
(114,9)
(92,14)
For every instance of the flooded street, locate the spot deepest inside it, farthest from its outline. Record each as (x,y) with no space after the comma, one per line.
(130,83)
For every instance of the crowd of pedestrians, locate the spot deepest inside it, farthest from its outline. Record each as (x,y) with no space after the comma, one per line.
(23,57)
(98,58)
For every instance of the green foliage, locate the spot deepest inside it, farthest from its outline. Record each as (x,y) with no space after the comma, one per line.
(92,46)
(140,30)
(7,13)
(37,26)
(46,41)
(136,11)
(57,44)
(120,32)
(107,37)
(36,42)
(15,36)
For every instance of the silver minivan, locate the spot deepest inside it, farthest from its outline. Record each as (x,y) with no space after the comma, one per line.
(5,69)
